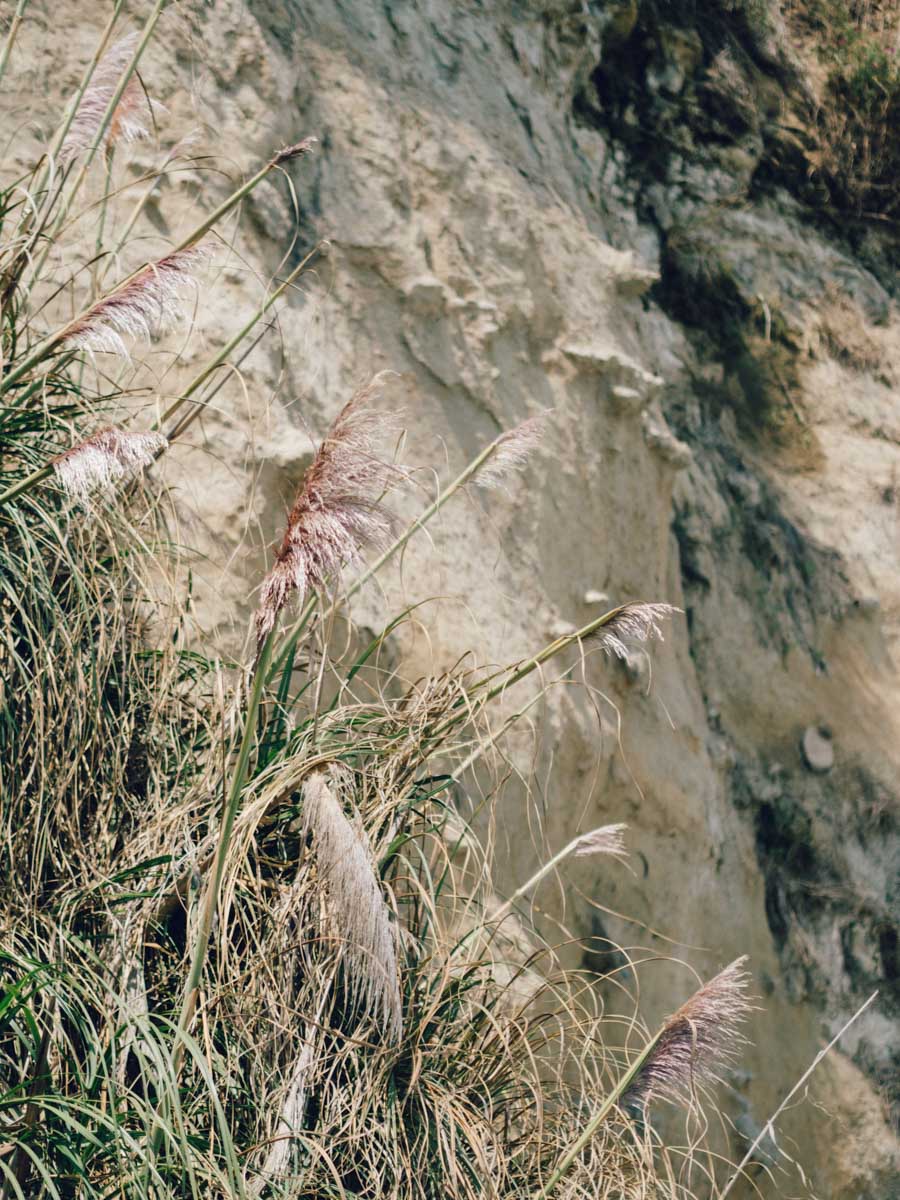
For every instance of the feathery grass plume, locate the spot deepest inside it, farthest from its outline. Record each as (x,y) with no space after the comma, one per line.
(511,452)
(133,113)
(337,513)
(636,622)
(290,1122)
(701,1036)
(608,839)
(357,908)
(104,457)
(149,302)
(297,150)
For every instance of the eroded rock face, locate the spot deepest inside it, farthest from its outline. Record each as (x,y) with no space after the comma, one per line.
(585,207)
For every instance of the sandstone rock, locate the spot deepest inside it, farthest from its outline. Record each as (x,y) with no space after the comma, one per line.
(676,453)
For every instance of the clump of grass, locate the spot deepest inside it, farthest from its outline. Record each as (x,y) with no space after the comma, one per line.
(857,150)
(249,946)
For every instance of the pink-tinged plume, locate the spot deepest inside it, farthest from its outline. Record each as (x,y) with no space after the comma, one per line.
(511,452)
(338,511)
(103,458)
(151,302)
(633,622)
(608,839)
(697,1040)
(133,115)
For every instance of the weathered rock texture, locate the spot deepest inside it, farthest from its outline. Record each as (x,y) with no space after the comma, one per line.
(599,208)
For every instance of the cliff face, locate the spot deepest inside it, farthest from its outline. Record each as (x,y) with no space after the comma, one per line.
(607,209)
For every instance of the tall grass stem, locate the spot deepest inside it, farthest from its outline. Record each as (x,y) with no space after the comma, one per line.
(11,36)
(47,345)
(69,199)
(210,900)
(597,1119)
(65,125)
(218,359)
(769,1126)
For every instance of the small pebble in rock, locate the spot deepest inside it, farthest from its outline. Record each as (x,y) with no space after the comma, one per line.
(818,749)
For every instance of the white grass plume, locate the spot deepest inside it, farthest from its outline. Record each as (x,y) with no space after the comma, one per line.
(608,839)
(148,303)
(356,906)
(132,117)
(633,622)
(703,1035)
(512,451)
(104,458)
(338,511)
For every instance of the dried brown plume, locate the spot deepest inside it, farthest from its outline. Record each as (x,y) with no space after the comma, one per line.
(338,511)
(288,153)
(702,1036)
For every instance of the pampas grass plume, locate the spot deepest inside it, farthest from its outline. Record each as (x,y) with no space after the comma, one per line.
(297,150)
(132,114)
(702,1036)
(103,458)
(338,511)
(151,301)
(634,622)
(608,839)
(356,906)
(511,452)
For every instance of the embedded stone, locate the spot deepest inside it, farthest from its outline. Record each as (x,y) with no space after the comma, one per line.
(818,749)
